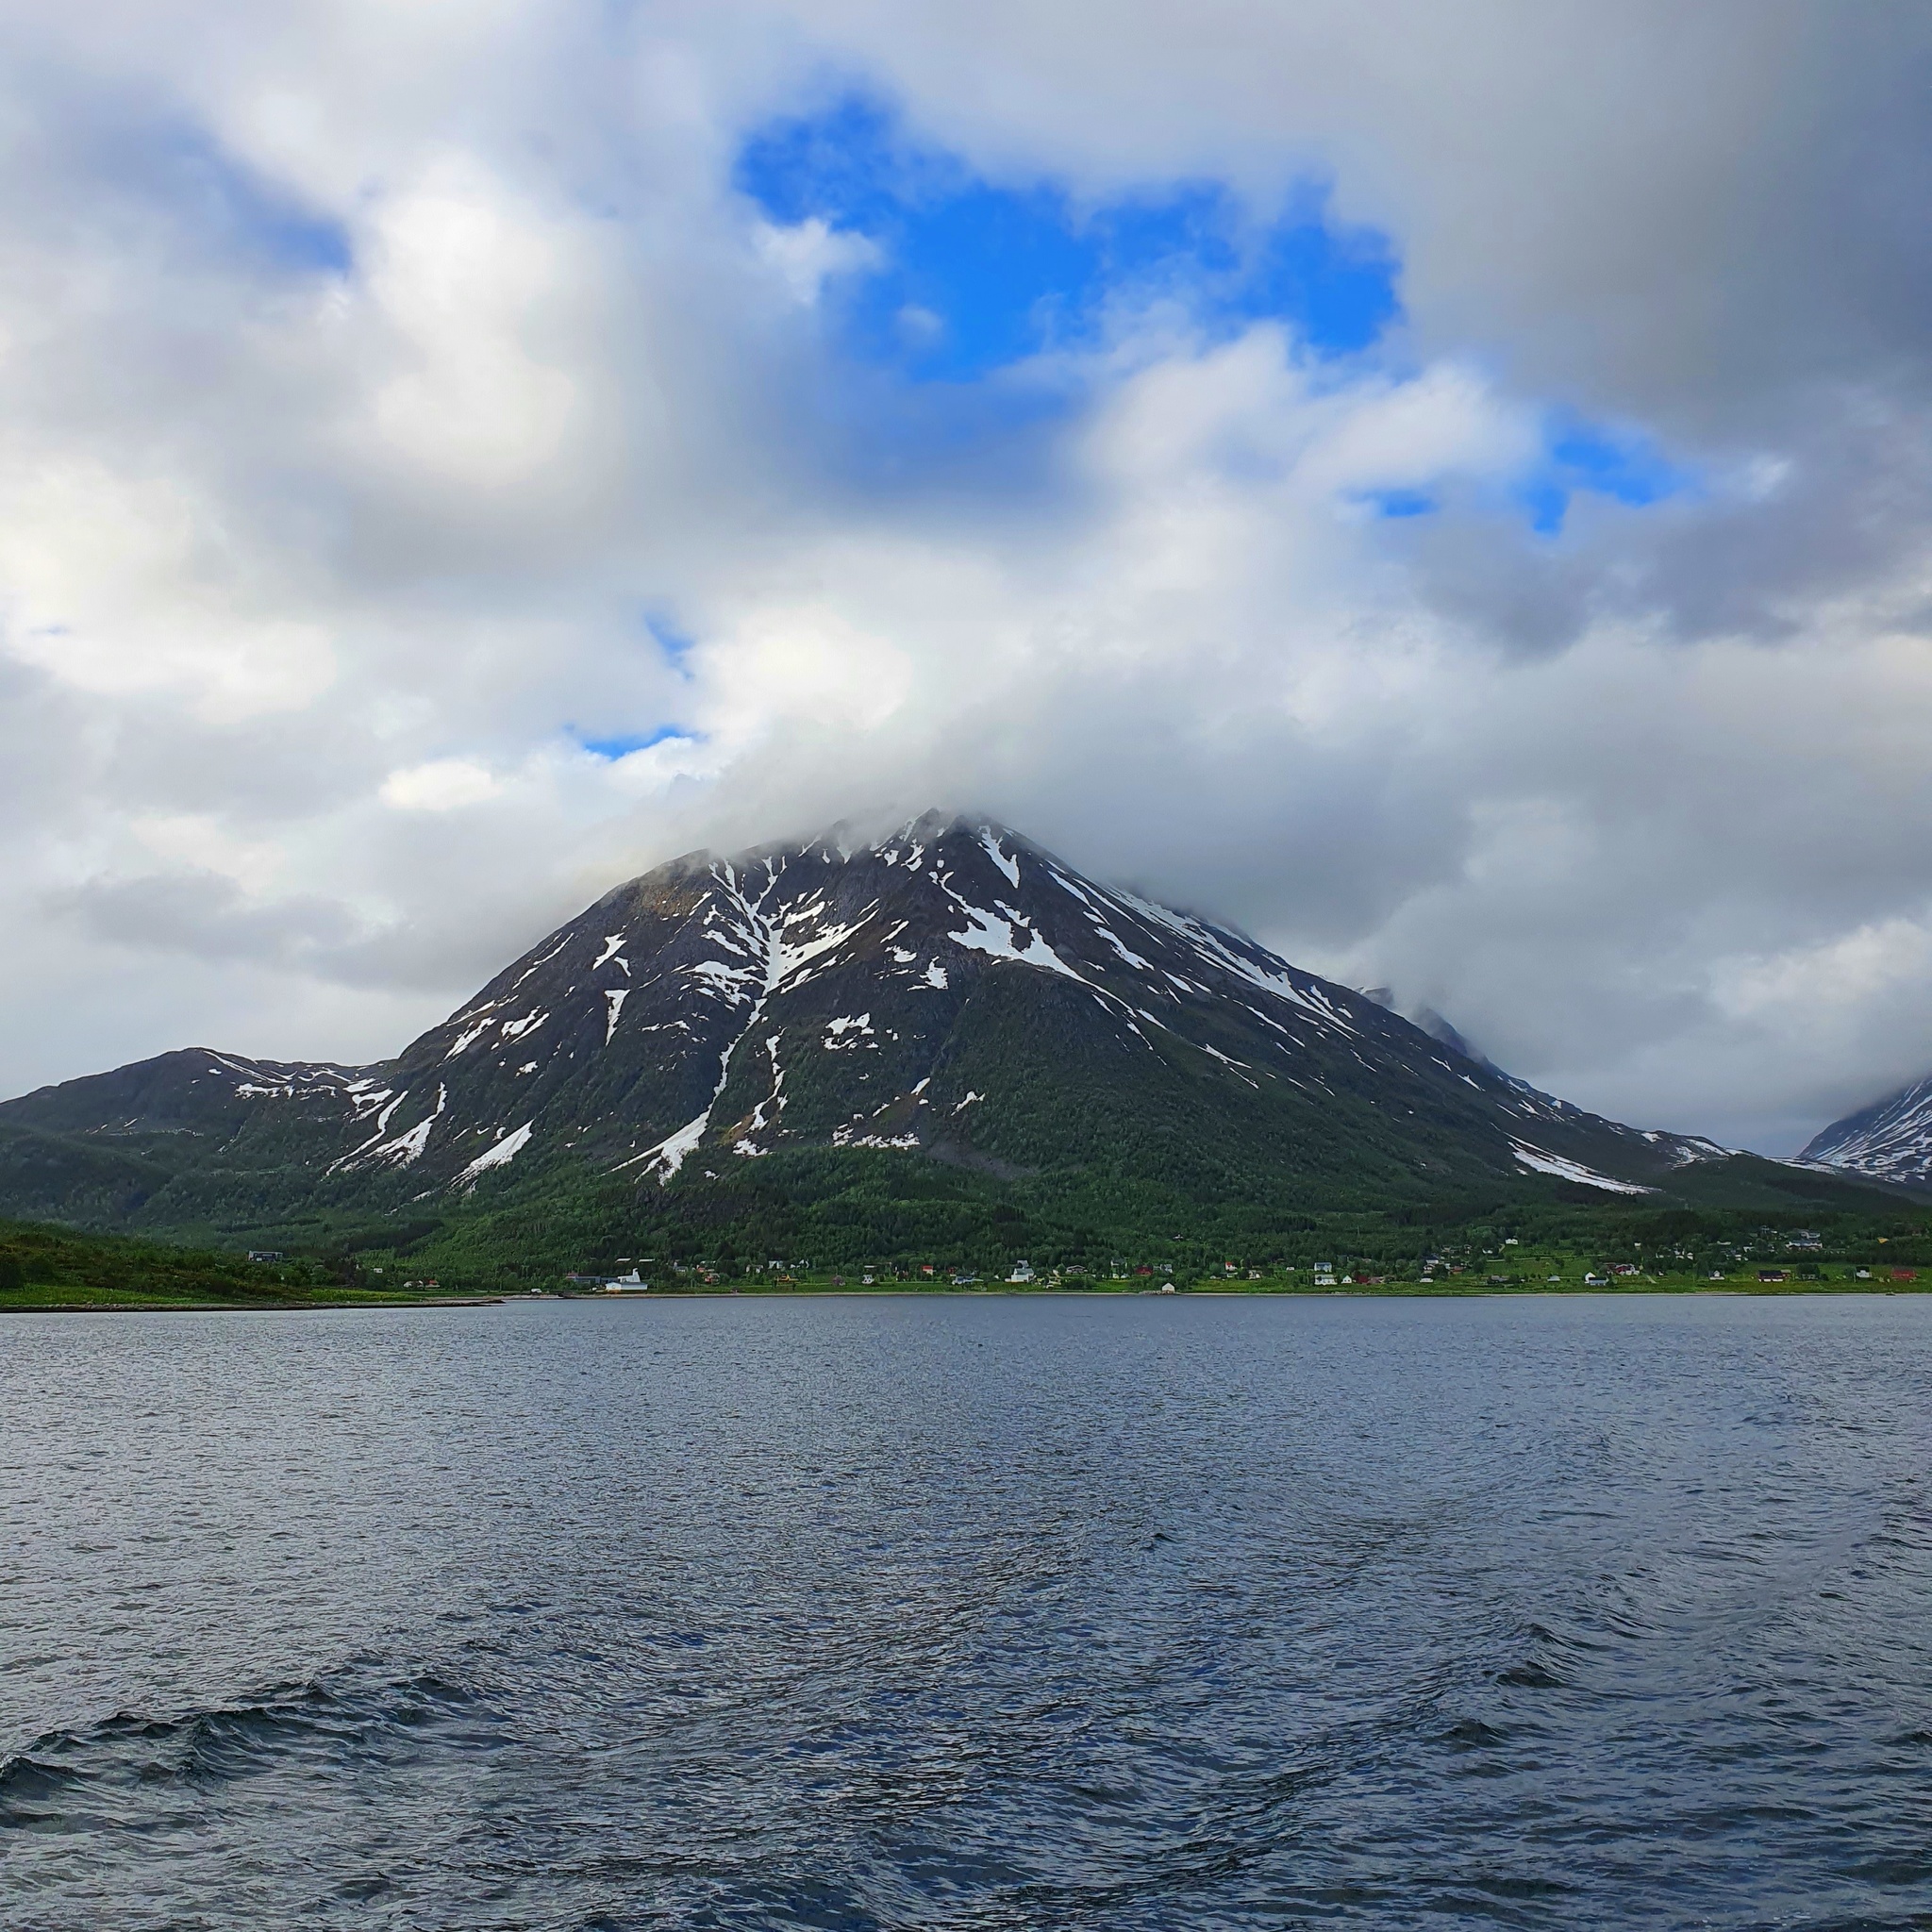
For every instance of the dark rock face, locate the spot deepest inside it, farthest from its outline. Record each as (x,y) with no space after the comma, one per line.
(952,991)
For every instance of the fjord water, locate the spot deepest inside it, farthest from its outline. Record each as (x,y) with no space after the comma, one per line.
(970,1612)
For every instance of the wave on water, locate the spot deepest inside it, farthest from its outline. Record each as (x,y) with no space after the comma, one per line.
(345,1720)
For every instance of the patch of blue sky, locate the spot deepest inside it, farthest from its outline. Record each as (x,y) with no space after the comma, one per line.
(675,646)
(973,274)
(235,208)
(1337,286)
(1631,469)
(670,638)
(1397,504)
(621,746)
(1626,467)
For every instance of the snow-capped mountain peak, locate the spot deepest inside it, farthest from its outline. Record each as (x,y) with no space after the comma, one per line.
(1890,1140)
(950,990)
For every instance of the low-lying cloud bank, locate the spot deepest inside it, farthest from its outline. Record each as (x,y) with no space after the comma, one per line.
(1448,491)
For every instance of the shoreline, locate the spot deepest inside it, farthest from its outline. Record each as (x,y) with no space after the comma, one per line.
(1232,1294)
(498,1301)
(1742,1290)
(250,1307)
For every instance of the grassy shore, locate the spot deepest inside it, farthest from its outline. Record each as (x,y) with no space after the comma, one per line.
(107,1301)
(52,1268)
(45,1268)
(1454,1288)
(83,1300)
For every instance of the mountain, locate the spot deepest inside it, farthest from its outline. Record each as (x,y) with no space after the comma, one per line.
(1890,1140)
(759,1030)
(1431,1023)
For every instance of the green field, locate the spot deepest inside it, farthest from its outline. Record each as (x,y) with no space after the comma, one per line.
(1539,1249)
(956,1224)
(1516,1271)
(48,1267)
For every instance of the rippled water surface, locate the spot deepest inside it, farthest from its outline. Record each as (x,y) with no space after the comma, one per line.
(1117,1613)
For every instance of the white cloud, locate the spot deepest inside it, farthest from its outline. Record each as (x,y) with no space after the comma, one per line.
(205,845)
(443,785)
(120,583)
(476,292)
(806,254)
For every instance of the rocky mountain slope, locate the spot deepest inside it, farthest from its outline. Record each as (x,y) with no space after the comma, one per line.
(952,994)
(1890,1140)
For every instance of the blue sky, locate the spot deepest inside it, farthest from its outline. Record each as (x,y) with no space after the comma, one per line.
(674,644)
(976,274)
(622,745)
(233,208)
(971,276)
(1628,468)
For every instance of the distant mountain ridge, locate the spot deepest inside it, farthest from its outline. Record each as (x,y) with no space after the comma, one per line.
(1889,1141)
(952,993)
(1431,1023)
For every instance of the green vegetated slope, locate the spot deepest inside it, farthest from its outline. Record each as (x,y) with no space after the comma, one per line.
(45,1266)
(896,1213)
(184,1144)
(895,1216)
(896,1224)
(88,1182)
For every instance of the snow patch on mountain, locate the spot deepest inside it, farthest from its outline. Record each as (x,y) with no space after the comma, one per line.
(501,1155)
(999,855)
(1241,1067)
(465,1041)
(850,1030)
(408,1147)
(1223,951)
(671,1152)
(1001,936)
(766,1111)
(1574,1171)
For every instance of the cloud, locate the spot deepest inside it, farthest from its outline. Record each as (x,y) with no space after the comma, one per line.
(1447,490)
(809,253)
(443,785)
